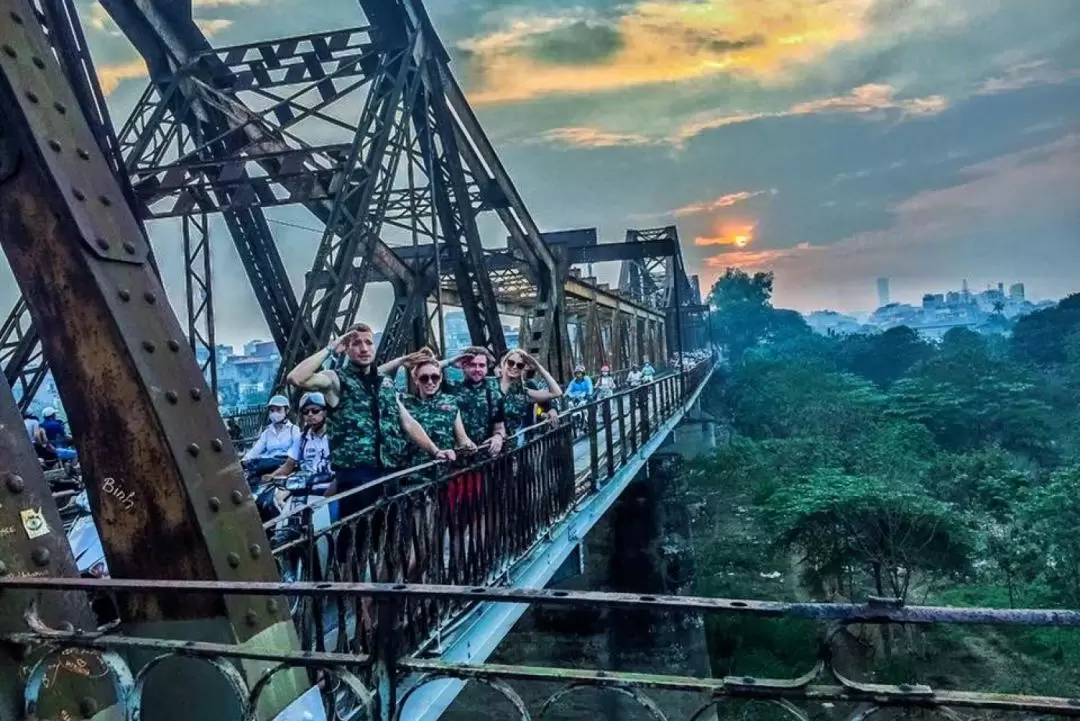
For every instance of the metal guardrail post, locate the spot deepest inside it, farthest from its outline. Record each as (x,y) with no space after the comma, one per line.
(623,443)
(609,440)
(594,447)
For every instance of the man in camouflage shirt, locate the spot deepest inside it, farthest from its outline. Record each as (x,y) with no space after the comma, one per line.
(369,428)
(479,398)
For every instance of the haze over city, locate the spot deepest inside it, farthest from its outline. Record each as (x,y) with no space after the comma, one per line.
(830,142)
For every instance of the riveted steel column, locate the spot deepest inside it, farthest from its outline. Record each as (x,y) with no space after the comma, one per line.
(33,543)
(164,482)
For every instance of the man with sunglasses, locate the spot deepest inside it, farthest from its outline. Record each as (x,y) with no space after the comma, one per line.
(479,398)
(369,426)
(310,451)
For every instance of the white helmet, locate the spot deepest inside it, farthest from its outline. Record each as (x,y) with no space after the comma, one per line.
(48,412)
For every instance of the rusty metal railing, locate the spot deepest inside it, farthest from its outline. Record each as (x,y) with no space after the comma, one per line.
(384,678)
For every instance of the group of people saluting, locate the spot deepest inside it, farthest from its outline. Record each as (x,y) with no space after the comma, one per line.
(372,430)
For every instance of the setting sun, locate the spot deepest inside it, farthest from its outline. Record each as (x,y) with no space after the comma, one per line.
(739,236)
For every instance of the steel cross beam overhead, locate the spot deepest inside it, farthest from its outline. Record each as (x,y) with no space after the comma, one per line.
(163,479)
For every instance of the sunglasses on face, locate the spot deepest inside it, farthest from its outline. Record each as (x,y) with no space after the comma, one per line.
(520,365)
(432,378)
(311,411)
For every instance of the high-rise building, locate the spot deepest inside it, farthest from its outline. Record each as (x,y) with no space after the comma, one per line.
(882,292)
(1016,291)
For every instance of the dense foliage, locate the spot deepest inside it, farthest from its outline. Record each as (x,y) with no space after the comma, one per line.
(889,465)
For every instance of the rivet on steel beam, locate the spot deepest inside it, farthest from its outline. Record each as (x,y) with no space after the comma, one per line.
(31,95)
(54,145)
(129,247)
(214,503)
(59,107)
(82,153)
(16,18)
(171,396)
(193,449)
(79,195)
(89,707)
(173,345)
(251,618)
(255,550)
(149,346)
(10,51)
(233,559)
(124,295)
(40,556)
(101,243)
(271,605)
(38,62)
(105,200)
(237,496)
(149,297)
(15,483)
(196,394)
(217,445)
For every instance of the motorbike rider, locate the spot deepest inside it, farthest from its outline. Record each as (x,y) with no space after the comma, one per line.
(272,447)
(633,378)
(56,439)
(606,385)
(580,389)
(310,453)
(648,373)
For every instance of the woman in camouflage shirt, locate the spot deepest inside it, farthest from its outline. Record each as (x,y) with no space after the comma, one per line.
(436,412)
(520,394)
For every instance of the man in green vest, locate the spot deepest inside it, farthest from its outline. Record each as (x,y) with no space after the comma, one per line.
(369,428)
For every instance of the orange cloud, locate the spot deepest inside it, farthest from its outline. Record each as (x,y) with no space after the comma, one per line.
(586,137)
(738,236)
(724,201)
(871,99)
(662,42)
(110,76)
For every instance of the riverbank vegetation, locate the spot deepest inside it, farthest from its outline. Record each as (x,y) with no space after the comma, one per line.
(888,466)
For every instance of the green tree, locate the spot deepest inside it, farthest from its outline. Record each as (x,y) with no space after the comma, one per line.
(885,357)
(1050,519)
(858,531)
(1042,337)
(740,310)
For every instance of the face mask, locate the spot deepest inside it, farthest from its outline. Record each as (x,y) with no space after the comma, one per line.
(277,417)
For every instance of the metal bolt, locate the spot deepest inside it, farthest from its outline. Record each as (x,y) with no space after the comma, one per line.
(171,396)
(233,559)
(193,450)
(59,107)
(149,346)
(105,200)
(89,707)
(196,394)
(10,51)
(79,196)
(54,145)
(101,243)
(251,618)
(217,445)
(124,295)
(31,95)
(214,503)
(82,153)
(15,483)
(129,247)
(271,606)
(38,62)
(149,297)
(40,556)
(173,345)
(237,496)
(255,550)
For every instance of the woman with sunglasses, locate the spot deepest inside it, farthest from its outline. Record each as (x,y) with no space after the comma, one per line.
(436,412)
(520,395)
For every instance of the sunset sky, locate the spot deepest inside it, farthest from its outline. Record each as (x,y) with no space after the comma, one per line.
(831,141)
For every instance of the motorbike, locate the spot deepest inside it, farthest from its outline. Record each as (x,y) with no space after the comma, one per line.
(578,419)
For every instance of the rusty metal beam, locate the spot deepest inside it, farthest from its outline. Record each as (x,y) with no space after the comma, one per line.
(163,479)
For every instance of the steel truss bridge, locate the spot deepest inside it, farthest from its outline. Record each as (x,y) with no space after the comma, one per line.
(368,130)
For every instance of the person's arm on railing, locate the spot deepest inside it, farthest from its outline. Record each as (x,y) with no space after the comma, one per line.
(461,438)
(498,437)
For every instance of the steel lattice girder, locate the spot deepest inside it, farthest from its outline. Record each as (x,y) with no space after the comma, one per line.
(163,478)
